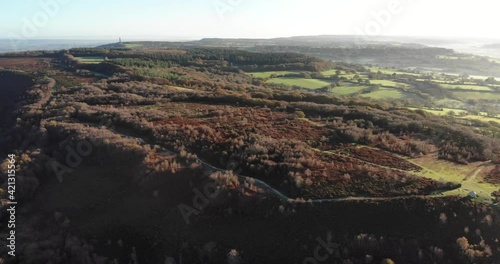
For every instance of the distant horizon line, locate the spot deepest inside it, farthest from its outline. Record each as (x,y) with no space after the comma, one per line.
(184,38)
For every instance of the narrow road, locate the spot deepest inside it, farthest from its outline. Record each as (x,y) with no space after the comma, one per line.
(285,198)
(472,176)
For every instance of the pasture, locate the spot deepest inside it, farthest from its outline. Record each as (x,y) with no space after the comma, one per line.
(388,83)
(385,93)
(347,90)
(300,82)
(481,118)
(90,60)
(476,95)
(465,87)
(132,45)
(390,71)
(342,74)
(443,112)
(467,175)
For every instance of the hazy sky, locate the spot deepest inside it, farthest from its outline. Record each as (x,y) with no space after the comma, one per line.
(185,19)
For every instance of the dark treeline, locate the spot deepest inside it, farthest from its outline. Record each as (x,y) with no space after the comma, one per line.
(34,53)
(243,59)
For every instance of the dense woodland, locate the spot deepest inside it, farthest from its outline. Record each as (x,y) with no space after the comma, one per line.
(229,57)
(397,53)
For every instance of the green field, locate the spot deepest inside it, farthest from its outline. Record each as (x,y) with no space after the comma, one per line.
(385,93)
(390,71)
(387,83)
(433,80)
(482,118)
(481,77)
(132,45)
(90,60)
(347,90)
(458,113)
(342,74)
(477,95)
(332,72)
(268,74)
(465,87)
(467,175)
(445,111)
(301,82)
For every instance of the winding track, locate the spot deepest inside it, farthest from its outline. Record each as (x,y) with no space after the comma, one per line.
(284,198)
(271,190)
